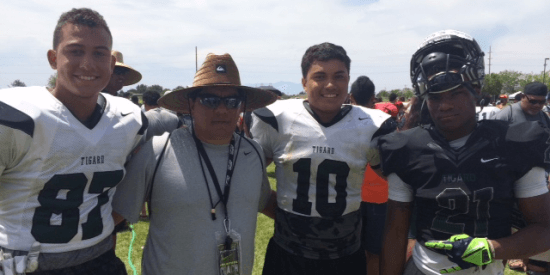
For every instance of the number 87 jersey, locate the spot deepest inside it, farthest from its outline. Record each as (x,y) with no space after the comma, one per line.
(57,176)
(319,167)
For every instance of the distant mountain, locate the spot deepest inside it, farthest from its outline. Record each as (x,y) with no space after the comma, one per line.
(288,88)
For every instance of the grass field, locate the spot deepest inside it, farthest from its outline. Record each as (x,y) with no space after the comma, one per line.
(264,231)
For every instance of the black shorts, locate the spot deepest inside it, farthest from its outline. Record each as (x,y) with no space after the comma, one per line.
(374,218)
(106,264)
(279,261)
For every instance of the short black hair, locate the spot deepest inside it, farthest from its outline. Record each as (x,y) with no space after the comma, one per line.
(362,90)
(324,52)
(151,97)
(83,17)
(393,96)
(135,99)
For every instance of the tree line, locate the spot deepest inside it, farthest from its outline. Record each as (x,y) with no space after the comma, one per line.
(504,82)
(508,82)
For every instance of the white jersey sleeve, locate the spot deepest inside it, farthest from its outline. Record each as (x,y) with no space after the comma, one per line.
(398,190)
(532,184)
(262,131)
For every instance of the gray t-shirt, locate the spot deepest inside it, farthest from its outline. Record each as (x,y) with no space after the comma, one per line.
(515,114)
(161,121)
(181,236)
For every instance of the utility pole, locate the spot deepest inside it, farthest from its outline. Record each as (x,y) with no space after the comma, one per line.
(489,59)
(196,57)
(544,72)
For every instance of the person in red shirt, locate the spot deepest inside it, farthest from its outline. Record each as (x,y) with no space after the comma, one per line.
(374,192)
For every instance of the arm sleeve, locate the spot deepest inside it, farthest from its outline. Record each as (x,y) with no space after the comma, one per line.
(503,114)
(398,190)
(14,145)
(388,126)
(134,189)
(393,154)
(531,184)
(160,121)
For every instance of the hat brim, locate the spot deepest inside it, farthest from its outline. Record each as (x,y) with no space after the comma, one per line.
(178,100)
(132,77)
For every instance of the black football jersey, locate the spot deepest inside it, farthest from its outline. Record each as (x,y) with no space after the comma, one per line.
(470,189)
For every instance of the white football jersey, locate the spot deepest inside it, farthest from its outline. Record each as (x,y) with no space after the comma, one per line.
(486,113)
(57,177)
(319,169)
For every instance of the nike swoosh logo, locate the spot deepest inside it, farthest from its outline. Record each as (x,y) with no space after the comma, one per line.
(246,153)
(123,114)
(487,160)
(363,118)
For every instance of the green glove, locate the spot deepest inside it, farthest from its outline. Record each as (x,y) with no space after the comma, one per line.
(465,251)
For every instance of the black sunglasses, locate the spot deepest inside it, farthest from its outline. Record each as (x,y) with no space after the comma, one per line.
(213,101)
(535,102)
(120,70)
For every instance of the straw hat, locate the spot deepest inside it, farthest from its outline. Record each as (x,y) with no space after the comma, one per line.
(133,76)
(217,70)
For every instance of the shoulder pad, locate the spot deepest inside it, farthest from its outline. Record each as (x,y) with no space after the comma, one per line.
(394,149)
(268,117)
(16,119)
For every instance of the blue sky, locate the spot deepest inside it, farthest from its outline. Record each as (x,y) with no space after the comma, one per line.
(268,38)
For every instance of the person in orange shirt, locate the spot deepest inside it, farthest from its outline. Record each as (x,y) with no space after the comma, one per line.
(375,189)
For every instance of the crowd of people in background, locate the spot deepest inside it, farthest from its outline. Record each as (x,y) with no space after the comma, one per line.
(448,181)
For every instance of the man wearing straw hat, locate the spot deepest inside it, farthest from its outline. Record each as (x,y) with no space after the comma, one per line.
(205,182)
(123,75)
(320,148)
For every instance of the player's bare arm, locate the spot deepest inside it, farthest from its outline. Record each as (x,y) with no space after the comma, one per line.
(117,217)
(394,247)
(532,239)
(271,205)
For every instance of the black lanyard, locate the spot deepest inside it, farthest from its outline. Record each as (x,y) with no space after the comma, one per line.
(224,197)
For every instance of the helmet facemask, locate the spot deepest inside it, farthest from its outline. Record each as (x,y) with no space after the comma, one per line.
(445,61)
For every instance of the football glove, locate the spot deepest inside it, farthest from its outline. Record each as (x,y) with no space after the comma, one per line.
(465,251)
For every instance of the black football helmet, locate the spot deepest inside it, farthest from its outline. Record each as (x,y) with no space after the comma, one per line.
(446,60)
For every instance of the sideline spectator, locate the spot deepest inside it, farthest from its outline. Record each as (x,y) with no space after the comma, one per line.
(388,108)
(484,111)
(123,75)
(135,100)
(530,106)
(374,191)
(502,101)
(392,98)
(206,183)
(529,109)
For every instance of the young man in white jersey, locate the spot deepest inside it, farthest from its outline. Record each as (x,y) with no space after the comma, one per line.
(63,152)
(320,148)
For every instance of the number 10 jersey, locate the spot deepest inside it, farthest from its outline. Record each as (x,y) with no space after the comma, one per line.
(319,171)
